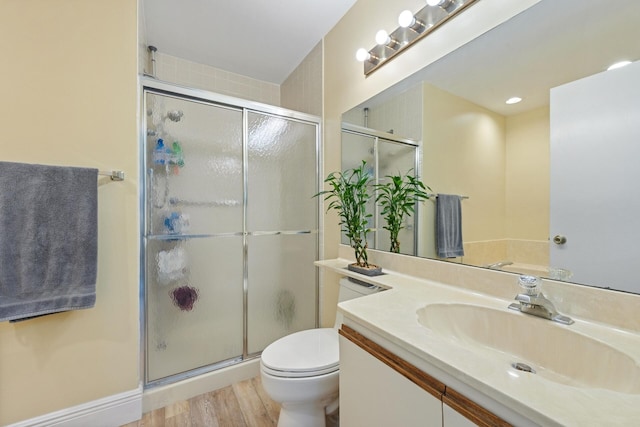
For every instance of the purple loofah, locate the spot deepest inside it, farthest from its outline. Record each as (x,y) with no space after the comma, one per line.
(184,297)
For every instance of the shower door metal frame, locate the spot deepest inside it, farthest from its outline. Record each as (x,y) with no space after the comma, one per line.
(151,85)
(377,135)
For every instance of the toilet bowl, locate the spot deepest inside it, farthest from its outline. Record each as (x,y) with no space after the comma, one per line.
(301,370)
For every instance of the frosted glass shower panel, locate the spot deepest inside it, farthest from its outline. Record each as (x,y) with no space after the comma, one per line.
(282,287)
(194,167)
(194,299)
(230,229)
(282,174)
(395,158)
(357,148)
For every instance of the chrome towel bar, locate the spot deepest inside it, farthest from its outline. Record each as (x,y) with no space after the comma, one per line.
(113,174)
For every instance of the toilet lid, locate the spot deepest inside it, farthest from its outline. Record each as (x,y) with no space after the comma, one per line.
(303,354)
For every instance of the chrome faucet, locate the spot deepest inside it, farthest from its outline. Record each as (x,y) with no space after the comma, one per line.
(533,301)
(498,265)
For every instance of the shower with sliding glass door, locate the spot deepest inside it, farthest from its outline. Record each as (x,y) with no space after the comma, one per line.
(229,231)
(385,154)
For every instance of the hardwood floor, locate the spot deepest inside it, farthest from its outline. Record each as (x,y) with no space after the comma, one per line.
(244,404)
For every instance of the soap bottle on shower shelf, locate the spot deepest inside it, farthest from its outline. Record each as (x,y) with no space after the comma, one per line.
(176,223)
(160,153)
(177,157)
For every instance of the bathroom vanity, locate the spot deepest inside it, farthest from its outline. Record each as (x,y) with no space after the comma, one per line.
(380,388)
(426,353)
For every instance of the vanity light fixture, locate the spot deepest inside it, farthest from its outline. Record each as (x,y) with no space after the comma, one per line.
(383,39)
(448,5)
(618,65)
(362,55)
(412,28)
(513,100)
(406,19)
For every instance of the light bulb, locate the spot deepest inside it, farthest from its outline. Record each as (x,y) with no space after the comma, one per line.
(406,19)
(382,37)
(513,100)
(362,54)
(435,2)
(618,65)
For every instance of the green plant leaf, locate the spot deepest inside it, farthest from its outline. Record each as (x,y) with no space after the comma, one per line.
(349,195)
(398,197)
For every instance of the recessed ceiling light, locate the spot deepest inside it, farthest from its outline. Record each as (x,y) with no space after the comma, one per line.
(618,65)
(513,100)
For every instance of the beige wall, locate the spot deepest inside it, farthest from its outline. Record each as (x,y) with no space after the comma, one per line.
(69,97)
(527,175)
(502,164)
(464,153)
(302,90)
(345,86)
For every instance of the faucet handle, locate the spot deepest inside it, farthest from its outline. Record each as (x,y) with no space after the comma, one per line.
(530,284)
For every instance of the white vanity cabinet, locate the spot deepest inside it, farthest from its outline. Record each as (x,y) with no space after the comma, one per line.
(373,394)
(452,418)
(379,389)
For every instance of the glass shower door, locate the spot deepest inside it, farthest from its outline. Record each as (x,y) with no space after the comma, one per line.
(384,157)
(356,148)
(396,158)
(282,230)
(194,235)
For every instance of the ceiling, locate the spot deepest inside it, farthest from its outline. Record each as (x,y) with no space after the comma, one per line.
(261,39)
(550,44)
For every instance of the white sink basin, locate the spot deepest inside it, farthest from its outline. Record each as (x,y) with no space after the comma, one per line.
(554,351)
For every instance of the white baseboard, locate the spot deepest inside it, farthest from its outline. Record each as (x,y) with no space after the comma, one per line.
(159,397)
(111,411)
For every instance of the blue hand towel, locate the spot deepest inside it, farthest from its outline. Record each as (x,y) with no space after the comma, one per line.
(449,226)
(48,243)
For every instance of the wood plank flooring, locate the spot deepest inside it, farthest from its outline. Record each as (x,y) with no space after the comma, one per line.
(244,404)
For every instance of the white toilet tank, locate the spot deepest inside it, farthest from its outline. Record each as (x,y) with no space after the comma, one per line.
(351,289)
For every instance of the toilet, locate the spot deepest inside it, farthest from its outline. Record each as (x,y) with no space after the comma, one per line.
(300,371)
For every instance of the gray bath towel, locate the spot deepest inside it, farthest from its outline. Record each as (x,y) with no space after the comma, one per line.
(48,239)
(449,226)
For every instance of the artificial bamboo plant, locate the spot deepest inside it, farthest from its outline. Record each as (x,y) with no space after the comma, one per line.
(398,197)
(349,196)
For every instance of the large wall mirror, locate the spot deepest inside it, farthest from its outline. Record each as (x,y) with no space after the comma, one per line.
(550,183)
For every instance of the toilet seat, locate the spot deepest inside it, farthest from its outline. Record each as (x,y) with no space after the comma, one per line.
(302,354)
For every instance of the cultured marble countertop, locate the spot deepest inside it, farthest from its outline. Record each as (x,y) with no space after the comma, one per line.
(392,315)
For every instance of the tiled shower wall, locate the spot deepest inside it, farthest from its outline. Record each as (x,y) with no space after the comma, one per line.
(302,90)
(400,115)
(192,74)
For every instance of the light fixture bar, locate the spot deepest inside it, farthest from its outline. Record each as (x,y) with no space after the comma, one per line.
(410,31)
